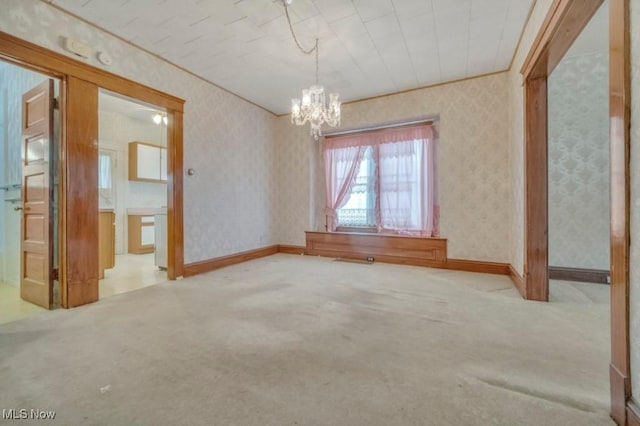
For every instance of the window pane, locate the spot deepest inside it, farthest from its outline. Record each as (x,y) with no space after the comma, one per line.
(400,185)
(106,184)
(360,207)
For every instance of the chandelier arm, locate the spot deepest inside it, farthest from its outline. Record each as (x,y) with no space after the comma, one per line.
(293,34)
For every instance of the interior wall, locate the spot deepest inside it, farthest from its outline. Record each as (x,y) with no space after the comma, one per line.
(516,131)
(230,201)
(3,147)
(578,103)
(14,81)
(472,164)
(116,130)
(634,313)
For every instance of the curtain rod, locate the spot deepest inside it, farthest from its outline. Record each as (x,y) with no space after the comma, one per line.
(430,120)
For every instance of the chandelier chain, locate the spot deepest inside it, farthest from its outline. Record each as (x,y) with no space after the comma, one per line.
(293,34)
(311,107)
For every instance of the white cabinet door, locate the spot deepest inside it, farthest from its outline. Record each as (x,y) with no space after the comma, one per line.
(148,162)
(147,236)
(163,163)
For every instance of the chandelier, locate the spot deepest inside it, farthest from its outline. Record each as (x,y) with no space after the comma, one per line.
(311,107)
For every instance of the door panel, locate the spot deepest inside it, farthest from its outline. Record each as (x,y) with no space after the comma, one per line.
(36,246)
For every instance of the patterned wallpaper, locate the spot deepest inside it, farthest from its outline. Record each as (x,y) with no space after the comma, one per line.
(635,202)
(230,203)
(14,81)
(579,162)
(472,160)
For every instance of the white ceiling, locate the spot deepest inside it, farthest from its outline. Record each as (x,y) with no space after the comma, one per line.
(367,47)
(108,101)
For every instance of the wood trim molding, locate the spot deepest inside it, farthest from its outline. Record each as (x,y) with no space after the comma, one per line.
(38,58)
(542,38)
(452,264)
(597,276)
(620,385)
(517,280)
(203,266)
(357,230)
(536,250)
(633,413)
(283,248)
(562,25)
(478,266)
(175,195)
(619,142)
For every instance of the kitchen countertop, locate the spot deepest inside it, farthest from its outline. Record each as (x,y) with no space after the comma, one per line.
(142,211)
(146,211)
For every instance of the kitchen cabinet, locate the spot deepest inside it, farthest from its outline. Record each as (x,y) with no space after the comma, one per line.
(147,162)
(141,233)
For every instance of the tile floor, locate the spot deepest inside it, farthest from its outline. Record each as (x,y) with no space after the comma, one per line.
(132,272)
(12,308)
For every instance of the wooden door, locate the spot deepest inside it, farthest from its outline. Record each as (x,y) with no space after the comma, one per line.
(36,230)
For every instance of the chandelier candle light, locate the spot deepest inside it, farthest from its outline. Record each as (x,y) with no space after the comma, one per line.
(311,108)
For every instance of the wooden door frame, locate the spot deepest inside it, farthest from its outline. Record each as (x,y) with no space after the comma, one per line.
(78,139)
(562,25)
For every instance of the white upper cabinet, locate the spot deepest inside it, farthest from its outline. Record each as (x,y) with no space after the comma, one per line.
(147,162)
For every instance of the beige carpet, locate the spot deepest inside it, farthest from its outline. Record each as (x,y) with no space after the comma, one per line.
(293,340)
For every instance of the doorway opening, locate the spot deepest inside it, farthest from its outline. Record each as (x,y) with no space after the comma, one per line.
(562,26)
(578,194)
(132,188)
(29,152)
(578,165)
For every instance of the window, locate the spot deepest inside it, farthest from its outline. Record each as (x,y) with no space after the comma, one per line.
(106,165)
(383,179)
(359,210)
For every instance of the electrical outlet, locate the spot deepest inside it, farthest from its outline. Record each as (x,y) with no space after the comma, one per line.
(370,259)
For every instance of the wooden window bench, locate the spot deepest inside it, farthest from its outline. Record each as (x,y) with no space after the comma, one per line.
(388,248)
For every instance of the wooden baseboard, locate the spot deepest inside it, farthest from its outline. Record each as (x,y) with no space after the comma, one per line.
(518,280)
(283,248)
(620,385)
(579,274)
(478,266)
(220,262)
(633,413)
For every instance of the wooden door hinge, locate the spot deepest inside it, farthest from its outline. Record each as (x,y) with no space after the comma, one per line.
(54,274)
(56,104)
